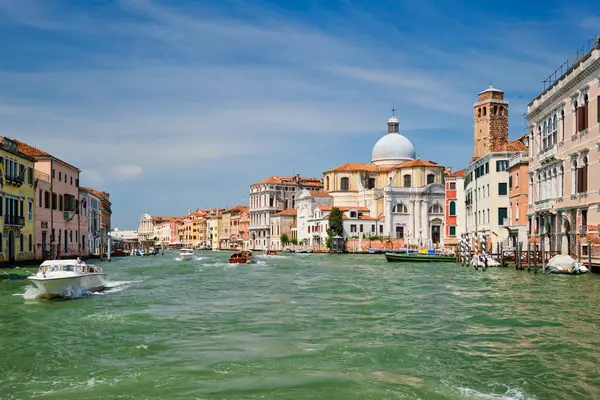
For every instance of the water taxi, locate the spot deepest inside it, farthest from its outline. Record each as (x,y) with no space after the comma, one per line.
(242,257)
(65,278)
(187,254)
(423,256)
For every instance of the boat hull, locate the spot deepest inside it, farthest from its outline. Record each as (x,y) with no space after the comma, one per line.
(186,257)
(67,287)
(390,257)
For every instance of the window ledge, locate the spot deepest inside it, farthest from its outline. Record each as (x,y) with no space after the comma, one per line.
(574,138)
(573,196)
(583,133)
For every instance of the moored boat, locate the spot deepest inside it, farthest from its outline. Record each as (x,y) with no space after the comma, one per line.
(419,258)
(269,252)
(187,254)
(65,278)
(241,257)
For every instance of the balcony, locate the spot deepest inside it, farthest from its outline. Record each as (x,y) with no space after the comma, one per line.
(14,179)
(548,154)
(544,205)
(505,222)
(13,220)
(519,158)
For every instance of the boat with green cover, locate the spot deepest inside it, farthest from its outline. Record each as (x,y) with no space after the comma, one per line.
(414,257)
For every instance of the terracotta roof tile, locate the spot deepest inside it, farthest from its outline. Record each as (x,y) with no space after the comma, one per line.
(352,167)
(367,218)
(31,151)
(515,145)
(357,167)
(318,193)
(342,208)
(289,211)
(292,180)
(457,173)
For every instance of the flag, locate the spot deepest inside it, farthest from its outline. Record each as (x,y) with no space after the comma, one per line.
(84,202)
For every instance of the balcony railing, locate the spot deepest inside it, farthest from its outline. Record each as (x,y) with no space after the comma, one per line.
(519,158)
(544,205)
(547,154)
(13,220)
(41,176)
(16,180)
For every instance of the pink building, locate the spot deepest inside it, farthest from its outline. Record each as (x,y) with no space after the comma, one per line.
(60,226)
(518,196)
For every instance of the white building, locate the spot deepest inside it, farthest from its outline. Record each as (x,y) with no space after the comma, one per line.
(146,228)
(404,193)
(356,222)
(307,203)
(270,196)
(162,231)
(126,235)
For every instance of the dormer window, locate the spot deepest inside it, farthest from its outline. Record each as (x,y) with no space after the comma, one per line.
(353,214)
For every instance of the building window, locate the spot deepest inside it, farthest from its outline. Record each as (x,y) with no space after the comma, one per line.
(326,183)
(501,165)
(510,182)
(352,214)
(71,179)
(452,207)
(407,181)
(30,175)
(53,173)
(371,183)
(582,176)
(430,179)
(361,228)
(517,179)
(352,228)
(517,210)
(399,232)
(400,208)
(381,229)
(344,184)
(436,209)
(452,186)
(59,176)
(502,191)
(502,214)
(452,230)
(21,243)
(487,167)
(30,242)
(30,211)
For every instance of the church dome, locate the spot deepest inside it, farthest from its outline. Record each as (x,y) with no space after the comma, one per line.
(393,148)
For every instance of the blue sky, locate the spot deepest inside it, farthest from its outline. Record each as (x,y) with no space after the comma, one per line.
(179,104)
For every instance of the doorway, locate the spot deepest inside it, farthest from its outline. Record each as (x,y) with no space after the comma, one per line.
(435,234)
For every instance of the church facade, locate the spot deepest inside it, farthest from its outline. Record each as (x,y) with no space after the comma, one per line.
(404,194)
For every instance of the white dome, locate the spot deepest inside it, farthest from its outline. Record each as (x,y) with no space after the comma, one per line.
(393,149)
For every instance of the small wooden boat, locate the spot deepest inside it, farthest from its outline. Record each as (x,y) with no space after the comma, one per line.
(419,258)
(242,257)
(269,252)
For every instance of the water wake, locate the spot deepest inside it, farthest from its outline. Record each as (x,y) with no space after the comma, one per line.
(511,394)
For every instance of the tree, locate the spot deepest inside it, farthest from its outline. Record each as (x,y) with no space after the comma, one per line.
(285,240)
(294,241)
(336,222)
(336,226)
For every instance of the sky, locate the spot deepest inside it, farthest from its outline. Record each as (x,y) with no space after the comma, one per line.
(172,105)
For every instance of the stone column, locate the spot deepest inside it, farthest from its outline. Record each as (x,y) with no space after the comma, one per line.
(424,223)
(413,222)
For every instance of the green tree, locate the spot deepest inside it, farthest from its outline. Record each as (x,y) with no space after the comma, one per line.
(336,226)
(285,239)
(294,241)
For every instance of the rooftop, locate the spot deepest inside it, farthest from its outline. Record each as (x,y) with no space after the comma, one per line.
(289,211)
(35,152)
(358,167)
(292,180)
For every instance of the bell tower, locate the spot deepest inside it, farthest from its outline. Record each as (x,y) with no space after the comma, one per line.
(490,115)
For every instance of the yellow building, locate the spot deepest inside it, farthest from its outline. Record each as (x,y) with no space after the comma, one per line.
(17,225)
(214,227)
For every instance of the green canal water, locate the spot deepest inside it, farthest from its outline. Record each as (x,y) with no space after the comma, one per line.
(304,327)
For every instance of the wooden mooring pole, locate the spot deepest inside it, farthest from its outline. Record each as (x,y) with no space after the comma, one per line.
(543,255)
(528,256)
(535,257)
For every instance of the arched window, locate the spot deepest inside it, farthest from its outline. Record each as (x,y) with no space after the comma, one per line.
(517,210)
(582,177)
(21,244)
(479,112)
(436,209)
(501,111)
(30,242)
(562,124)
(484,111)
(430,179)
(345,184)
(400,208)
(585,107)
(407,181)
(554,123)
(517,179)
(494,110)
(575,174)
(326,183)
(452,207)
(545,127)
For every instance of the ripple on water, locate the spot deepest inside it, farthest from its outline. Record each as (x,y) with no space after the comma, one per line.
(306,327)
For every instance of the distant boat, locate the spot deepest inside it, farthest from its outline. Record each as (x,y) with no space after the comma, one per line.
(419,258)
(269,252)
(242,257)
(186,254)
(304,251)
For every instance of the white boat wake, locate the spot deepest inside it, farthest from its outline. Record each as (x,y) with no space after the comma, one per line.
(33,293)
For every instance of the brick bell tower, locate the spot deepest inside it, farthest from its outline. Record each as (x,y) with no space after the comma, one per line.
(491,121)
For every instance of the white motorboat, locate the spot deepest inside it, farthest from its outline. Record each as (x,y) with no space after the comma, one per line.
(187,254)
(479,261)
(65,278)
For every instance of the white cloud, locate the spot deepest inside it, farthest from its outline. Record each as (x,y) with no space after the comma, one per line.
(126,172)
